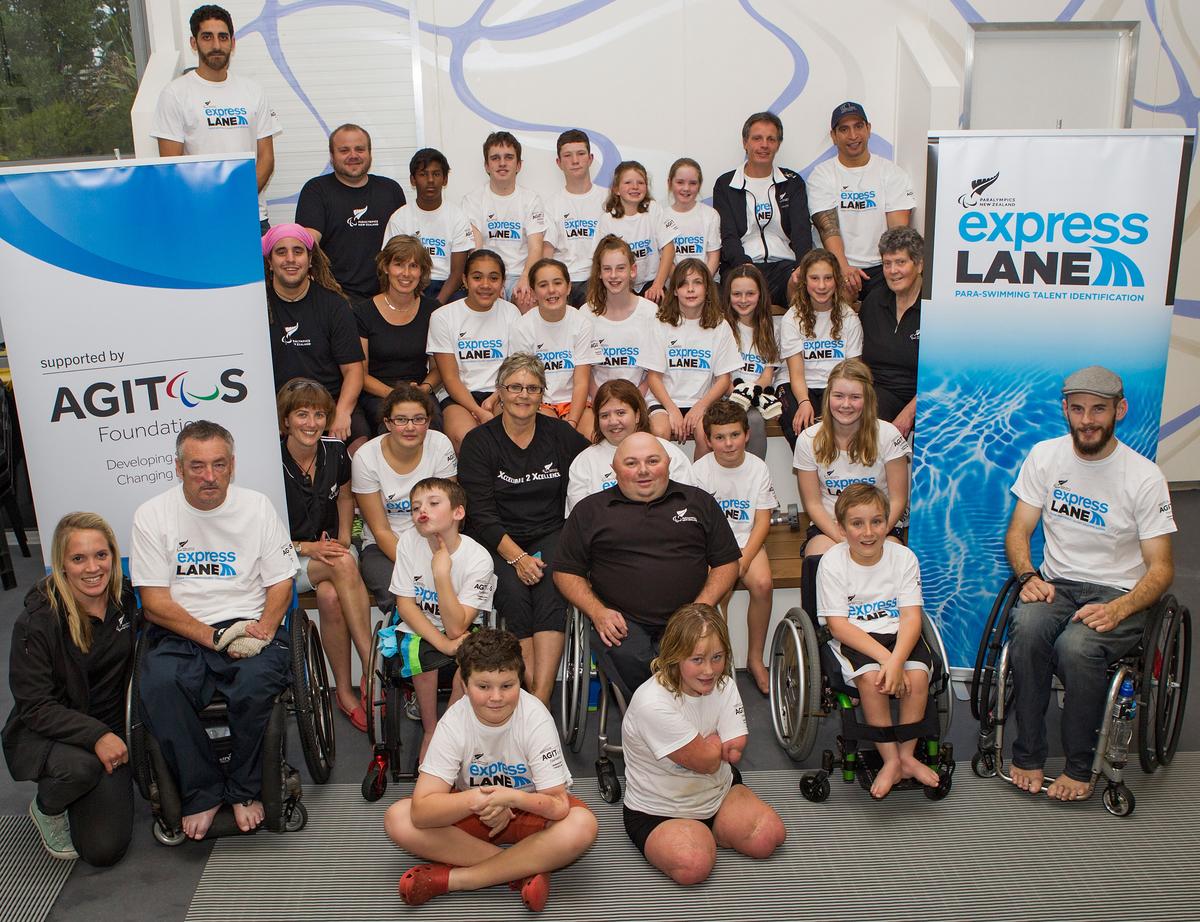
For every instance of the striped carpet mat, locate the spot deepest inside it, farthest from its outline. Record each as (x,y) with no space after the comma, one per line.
(986,852)
(30,878)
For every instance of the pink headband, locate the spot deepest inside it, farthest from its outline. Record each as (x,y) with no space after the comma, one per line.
(279,231)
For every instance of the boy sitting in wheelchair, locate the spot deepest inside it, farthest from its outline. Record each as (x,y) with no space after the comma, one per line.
(442,580)
(869,596)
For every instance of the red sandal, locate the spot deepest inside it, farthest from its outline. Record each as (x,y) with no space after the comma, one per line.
(422,882)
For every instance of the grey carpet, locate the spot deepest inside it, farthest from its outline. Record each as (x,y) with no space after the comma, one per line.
(985,852)
(30,877)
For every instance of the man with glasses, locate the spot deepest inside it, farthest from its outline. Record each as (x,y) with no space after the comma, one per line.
(763,208)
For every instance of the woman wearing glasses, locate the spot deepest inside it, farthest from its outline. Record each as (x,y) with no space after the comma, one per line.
(384,471)
(514,468)
(316,484)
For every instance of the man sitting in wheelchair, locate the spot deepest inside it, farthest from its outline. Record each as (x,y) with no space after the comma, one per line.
(1106,515)
(214,565)
(869,595)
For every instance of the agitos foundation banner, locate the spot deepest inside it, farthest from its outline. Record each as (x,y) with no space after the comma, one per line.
(1049,252)
(133,302)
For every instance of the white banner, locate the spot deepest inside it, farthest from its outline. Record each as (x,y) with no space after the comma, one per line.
(133,303)
(1051,252)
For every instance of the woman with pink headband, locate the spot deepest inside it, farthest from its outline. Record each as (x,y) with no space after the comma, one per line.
(313,334)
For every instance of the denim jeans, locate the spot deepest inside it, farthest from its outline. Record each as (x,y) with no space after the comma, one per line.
(1045,642)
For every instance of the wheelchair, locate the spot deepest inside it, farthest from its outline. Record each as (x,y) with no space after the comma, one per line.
(806,685)
(1159,667)
(577,671)
(308,697)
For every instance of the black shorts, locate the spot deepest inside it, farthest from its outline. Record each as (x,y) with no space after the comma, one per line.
(659,408)
(638,825)
(529,610)
(813,531)
(447,401)
(920,655)
(414,655)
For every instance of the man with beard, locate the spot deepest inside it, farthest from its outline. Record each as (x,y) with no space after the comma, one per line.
(347,210)
(1106,515)
(211,111)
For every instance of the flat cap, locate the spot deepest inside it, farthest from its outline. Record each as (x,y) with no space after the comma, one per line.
(1095,379)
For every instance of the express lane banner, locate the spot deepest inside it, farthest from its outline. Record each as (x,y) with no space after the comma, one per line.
(1050,252)
(133,302)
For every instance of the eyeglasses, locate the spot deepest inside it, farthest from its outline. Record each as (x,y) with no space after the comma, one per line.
(401,421)
(533,390)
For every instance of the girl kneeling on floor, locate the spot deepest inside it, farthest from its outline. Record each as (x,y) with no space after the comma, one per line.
(683,733)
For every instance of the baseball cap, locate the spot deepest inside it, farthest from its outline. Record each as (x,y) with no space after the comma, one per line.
(847,108)
(1095,379)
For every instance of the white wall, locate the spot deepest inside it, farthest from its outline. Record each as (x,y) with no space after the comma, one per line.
(656,80)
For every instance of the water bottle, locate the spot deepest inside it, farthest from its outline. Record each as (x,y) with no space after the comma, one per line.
(1121,731)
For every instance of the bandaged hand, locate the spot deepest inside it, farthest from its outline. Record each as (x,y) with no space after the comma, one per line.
(245,646)
(232,633)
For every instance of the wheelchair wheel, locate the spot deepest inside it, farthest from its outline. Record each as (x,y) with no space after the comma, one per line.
(576,671)
(940,686)
(945,778)
(606,778)
(983,678)
(295,817)
(795,691)
(983,764)
(165,836)
(1119,800)
(374,783)
(1166,674)
(814,787)
(312,697)
(135,729)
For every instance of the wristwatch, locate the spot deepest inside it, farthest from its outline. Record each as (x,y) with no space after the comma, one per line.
(1025,577)
(217,632)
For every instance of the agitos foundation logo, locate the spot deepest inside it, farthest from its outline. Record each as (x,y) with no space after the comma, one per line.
(1047,248)
(134,395)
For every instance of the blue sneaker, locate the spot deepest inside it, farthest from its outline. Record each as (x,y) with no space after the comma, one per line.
(55,832)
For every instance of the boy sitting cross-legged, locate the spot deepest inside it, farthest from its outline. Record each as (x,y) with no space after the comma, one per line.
(494,775)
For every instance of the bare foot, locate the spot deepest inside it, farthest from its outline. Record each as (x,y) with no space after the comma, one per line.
(1064,788)
(249,816)
(762,678)
(196,825)
(887,777)
(912,767)
(1028,779)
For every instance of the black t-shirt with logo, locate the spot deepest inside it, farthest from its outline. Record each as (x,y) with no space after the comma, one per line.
(521,492)
(312,498)
(352,223)
(395,353)
(312,337)
(645,560)
(106,663)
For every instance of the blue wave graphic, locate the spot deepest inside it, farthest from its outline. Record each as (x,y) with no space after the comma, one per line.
(149,226)
(973,434)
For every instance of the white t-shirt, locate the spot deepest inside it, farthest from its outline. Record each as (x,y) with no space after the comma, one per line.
(525,752)
(659,723)
(739,491)
(690,357)
(471,573)
(699,232)
(572,228)
(646,232)
(1095,513)
(371,473)
(753,364)
(504,222)
(843,472)
(479,340)
(218,563)
(623,342)
(871,597)
(762,213)
(863,195)
(226,117)
(592,470)
(821,351)
(442,232)
(560,346)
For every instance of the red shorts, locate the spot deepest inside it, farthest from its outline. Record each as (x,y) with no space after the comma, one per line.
(521,826)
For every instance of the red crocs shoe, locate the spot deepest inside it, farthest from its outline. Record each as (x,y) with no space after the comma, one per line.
(422,882)
(535,891)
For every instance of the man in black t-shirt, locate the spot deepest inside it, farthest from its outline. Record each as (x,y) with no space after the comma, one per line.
(347,210)
(629,556)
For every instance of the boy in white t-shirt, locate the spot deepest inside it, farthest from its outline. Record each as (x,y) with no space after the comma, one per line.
(573,213)
(507,218)
(442,581)
(440,225)
(741,485)
(494,775)
(869,594)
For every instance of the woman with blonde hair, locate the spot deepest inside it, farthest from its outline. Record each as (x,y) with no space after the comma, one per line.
(72,654)
(683,734)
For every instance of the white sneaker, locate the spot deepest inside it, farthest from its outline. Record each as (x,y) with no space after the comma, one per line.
(412,710)
(55,832)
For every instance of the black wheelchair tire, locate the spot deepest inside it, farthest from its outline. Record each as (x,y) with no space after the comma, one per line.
(311,697)
(795,684)
(1176,666)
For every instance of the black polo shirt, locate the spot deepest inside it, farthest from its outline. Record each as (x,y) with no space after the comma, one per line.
(645,560)
(890,349)
(312,499)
